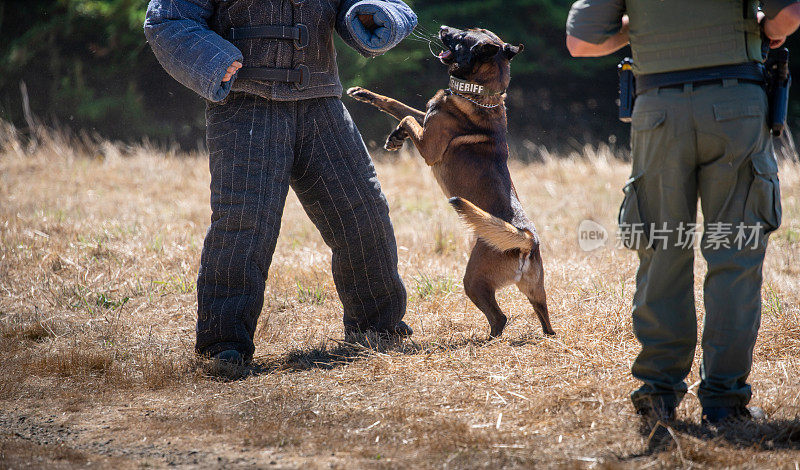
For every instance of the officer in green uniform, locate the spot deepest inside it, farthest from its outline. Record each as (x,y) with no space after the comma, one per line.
(699,130)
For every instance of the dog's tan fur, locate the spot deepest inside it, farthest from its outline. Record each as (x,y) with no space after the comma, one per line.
(493,230)
(465,145)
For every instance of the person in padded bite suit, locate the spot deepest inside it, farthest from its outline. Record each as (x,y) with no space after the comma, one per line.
(274,118)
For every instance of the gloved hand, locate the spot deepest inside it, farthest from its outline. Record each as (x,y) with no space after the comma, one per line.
(370,25)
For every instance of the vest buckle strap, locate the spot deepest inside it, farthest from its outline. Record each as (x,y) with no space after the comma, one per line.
(301,41)
(300,75)
(297,33)
(305,77)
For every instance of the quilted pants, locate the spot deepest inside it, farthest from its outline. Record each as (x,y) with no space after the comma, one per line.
(258,148)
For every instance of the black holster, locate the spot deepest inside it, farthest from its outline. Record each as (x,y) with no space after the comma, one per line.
(779,80)
(627,89)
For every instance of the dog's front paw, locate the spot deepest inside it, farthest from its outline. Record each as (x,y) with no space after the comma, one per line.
(360,94)
(395,140)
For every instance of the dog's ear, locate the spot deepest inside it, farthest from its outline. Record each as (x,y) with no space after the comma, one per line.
(484,51)
(510,51)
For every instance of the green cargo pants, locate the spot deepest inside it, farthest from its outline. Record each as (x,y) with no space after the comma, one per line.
(710,142)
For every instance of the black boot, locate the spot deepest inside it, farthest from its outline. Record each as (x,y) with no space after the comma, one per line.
(719,415)
(402,330)
(228,364)
(656,417)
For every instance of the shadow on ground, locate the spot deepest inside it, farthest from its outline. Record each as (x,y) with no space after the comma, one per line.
(768,434)
(762,435)
(336,353)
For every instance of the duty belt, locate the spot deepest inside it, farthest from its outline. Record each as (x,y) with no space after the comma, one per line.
(751,72)
(300,75)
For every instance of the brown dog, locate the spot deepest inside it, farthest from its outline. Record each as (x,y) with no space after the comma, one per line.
(462,136)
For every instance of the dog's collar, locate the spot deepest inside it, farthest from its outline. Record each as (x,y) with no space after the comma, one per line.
(463,86)
(487,106)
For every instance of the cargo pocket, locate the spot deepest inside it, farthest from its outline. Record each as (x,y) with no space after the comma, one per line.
(648,139)
(633,232)
(647,120)
(763,205)
(737,110)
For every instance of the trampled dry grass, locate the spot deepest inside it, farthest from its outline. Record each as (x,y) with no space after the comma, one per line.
(98,257)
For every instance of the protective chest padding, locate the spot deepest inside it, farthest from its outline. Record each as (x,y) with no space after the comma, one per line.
(671,35)
(319,55)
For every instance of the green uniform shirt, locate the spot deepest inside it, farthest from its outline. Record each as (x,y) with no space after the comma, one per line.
(595,21)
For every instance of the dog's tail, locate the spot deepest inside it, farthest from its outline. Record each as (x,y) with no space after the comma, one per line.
(496,232)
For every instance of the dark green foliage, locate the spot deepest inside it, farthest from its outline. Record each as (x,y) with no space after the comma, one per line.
(87,66)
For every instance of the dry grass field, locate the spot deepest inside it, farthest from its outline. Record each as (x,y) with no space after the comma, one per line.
(99,249)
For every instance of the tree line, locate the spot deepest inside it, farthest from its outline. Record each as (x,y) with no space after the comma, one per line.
(86,66)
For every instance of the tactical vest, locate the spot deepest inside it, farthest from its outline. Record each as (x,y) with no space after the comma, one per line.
(287,46)
(672,35)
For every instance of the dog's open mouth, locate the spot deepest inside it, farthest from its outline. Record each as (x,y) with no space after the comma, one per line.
(444,55)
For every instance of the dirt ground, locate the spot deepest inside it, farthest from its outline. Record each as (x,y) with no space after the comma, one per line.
(99,249)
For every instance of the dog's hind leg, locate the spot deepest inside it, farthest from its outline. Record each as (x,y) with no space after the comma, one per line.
(538,300)
(387,105)
(480,287)
(483,296)
(532,285)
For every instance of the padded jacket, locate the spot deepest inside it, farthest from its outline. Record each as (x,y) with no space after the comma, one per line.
(195,41)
